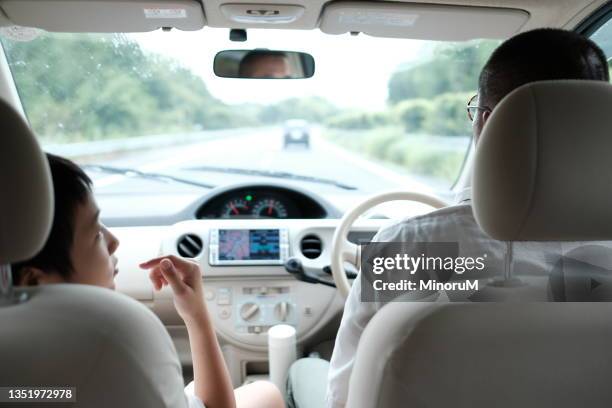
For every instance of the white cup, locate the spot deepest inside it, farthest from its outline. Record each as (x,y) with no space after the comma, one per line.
(282,352)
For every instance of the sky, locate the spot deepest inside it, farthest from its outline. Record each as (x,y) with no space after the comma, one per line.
(351,72)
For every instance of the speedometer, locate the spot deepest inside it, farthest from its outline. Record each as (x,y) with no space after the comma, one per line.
(269,208)
(236,208)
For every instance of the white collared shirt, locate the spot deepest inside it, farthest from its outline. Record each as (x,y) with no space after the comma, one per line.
(451,224)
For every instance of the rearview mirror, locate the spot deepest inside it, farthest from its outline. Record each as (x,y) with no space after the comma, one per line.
(263,64)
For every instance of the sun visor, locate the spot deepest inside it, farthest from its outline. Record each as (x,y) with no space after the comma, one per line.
(104,16)
(4,21)
(421,21)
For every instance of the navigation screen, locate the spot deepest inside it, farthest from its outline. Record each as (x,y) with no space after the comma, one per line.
(247,245)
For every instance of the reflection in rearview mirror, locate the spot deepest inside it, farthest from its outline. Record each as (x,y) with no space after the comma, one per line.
(263,64)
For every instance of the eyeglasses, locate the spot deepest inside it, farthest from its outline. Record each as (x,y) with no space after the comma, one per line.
(473,107)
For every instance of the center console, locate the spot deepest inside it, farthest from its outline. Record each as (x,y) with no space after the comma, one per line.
(246,286)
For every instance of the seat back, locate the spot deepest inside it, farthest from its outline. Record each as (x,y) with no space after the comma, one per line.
(112,350)
(502,355)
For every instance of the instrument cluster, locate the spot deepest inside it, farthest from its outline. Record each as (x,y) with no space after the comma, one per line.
(261,203)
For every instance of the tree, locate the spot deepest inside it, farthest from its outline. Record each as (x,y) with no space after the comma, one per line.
(314,109)
(452,68)
(86,87)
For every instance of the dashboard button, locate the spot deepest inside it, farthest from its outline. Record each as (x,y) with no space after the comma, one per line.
(255,329)
(249,311)
(224,296)
(225,313)
(282,310)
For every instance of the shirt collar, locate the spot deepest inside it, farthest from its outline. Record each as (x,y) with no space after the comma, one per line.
(464,196)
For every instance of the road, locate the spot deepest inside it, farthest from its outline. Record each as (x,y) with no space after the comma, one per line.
(262,150)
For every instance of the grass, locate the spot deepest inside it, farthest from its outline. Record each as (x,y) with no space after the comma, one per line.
(438,158)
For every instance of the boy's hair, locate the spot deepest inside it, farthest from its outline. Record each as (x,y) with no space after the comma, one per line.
(540,55)
(71,187)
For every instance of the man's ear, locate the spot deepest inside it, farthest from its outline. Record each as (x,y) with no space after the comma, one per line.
(30,276)
(485,116)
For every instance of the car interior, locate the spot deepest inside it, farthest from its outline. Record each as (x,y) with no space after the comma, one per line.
(191,154)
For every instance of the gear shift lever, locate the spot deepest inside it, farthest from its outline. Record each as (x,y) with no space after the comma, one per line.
(294,267)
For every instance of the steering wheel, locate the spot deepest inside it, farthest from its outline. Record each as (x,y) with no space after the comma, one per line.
(345,251)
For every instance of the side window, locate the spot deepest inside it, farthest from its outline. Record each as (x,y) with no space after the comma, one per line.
(603,37)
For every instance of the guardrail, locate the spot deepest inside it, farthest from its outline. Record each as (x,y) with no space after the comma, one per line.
(112,146)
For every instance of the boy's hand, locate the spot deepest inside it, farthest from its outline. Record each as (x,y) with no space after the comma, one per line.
(185,279)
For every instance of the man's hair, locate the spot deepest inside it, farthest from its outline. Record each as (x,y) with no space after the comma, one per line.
(71,187)
(540,55)
(247,63)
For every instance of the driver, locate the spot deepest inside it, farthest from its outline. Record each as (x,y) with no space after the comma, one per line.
(265,64)
(543,54)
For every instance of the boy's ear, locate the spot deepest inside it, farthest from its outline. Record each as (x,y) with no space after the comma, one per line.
(30,276)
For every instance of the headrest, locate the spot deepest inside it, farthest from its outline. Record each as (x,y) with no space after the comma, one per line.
(26,192)
(111,348)
(543,164)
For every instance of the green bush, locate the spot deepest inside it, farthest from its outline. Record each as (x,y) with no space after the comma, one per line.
(379,144)
(448,115)
(359,120)
(438,163)
(412,114)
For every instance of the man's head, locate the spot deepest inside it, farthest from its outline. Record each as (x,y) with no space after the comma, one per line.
(538,55)
(265,64)
(79,249)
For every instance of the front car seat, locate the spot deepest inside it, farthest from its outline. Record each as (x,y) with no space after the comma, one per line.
(111,350)
(542,173)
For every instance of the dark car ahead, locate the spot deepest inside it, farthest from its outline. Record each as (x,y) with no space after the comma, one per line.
(296,132)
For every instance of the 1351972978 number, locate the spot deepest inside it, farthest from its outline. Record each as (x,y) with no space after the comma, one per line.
(38,394)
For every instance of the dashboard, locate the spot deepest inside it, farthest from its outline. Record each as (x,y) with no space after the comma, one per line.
(241,236)
(262,202)
(246,201)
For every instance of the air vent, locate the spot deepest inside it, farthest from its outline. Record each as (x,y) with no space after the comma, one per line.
(189,246)
(311,246)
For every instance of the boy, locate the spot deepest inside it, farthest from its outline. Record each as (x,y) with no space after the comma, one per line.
(81,250)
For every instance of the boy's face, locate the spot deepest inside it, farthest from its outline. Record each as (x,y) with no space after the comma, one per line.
(93,248)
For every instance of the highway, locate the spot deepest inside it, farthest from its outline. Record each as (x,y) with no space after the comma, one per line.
(260,149)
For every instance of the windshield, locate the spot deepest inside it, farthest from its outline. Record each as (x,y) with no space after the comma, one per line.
(377,114)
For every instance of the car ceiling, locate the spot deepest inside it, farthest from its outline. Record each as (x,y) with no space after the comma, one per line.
(113,15)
